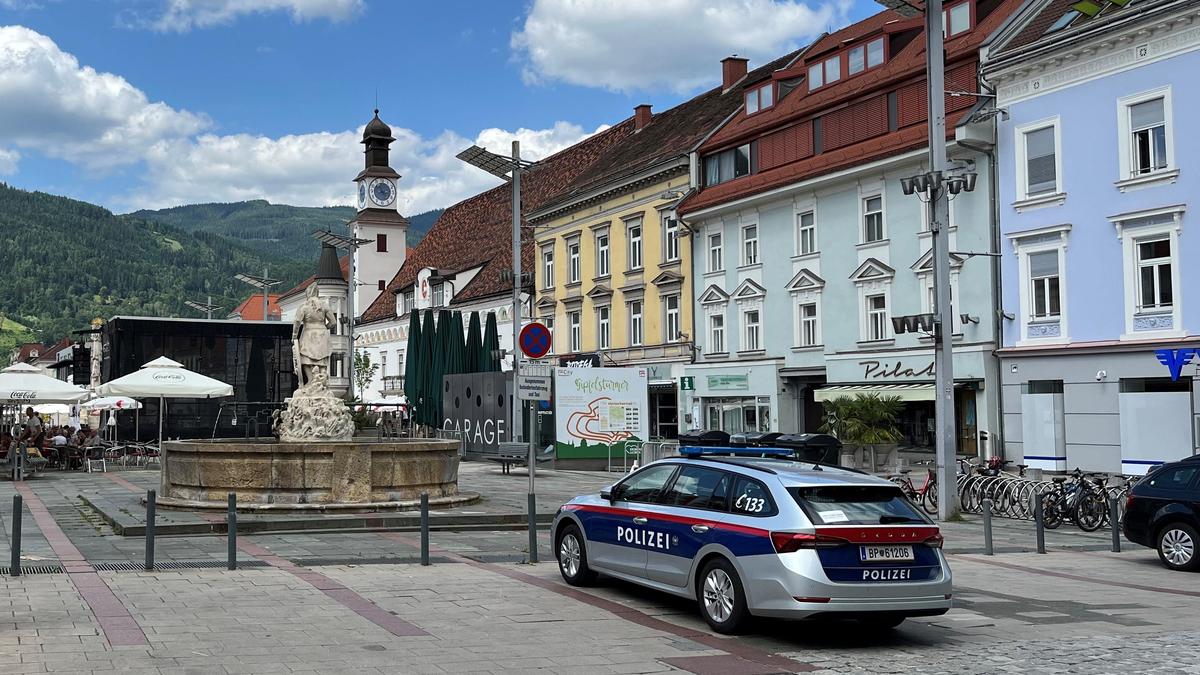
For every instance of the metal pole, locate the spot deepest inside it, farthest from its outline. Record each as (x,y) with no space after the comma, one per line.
(939,227)
(532,497)
(266,293)
(151,502)
(425,528)
(516,269)
(1114,519)
(1041,527)
(987,527)
(231,530)
(15,566)
(351,289)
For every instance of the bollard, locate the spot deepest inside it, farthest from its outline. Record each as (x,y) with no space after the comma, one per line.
(15,568)
(987,527)
(533,545)
(1114,519)
(231,530)
(151,502)
(425,529)
(1041,527)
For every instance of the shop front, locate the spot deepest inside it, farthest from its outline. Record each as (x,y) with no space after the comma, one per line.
(740,397)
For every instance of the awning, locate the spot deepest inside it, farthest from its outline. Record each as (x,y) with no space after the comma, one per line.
(905,392)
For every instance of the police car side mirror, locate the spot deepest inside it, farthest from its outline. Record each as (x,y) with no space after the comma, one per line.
(606,494)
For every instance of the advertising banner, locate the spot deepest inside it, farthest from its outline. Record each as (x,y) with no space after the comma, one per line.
(596,411)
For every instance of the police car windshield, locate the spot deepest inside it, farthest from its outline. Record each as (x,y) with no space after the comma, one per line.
(856,505)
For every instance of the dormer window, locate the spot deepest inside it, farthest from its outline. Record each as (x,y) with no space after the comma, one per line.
(852,61)
(760,98)
(956,19)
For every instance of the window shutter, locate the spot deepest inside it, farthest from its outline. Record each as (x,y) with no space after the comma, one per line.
(1146,114)
(1043,264)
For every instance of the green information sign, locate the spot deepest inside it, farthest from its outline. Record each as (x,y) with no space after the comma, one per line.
(687,384)
(728,382)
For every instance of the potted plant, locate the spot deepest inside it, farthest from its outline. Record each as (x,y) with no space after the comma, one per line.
(865,421)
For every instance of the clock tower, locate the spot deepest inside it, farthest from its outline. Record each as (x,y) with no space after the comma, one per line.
(378,220)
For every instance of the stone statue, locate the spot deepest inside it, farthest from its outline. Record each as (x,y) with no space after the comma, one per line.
(313,413)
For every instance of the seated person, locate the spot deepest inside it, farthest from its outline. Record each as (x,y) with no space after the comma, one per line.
(59,439)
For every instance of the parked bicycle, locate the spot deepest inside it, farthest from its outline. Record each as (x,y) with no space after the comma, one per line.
(1078,498)
(926,495)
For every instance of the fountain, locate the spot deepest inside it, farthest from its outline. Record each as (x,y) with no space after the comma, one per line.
(316,464)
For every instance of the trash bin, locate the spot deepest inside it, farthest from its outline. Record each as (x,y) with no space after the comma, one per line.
(821,448)
(754,440)
(704,438)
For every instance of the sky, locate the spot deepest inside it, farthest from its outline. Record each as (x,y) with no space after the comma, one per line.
(155,103)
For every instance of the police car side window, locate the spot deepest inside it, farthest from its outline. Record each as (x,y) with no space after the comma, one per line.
(646,485)
(751,498)
(697,487)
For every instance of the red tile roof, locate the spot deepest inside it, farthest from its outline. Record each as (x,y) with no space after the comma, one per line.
(343,262)
(25,352)
(251,308)
(907,64)
(477,232)
(1041,18)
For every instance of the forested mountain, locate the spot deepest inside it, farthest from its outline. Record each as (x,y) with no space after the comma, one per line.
(273,228)
(66,262)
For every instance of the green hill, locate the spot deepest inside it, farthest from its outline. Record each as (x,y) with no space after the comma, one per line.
(66,262)
(272,228)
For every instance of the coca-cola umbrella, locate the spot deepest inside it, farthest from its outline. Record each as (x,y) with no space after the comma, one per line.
(112,405)
(22,384)
(165,379)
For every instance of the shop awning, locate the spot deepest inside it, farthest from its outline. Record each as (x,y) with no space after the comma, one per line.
(905,392)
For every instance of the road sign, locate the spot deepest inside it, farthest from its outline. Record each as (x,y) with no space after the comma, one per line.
(533,387)
(535,340)
(687,384)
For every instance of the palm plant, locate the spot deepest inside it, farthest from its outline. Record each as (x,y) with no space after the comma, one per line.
(866,420)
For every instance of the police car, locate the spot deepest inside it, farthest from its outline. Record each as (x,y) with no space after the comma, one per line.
(760,536)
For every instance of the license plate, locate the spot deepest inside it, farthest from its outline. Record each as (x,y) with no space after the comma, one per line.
(885,554)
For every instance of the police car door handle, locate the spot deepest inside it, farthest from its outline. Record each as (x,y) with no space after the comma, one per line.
(699,529)
(640,520)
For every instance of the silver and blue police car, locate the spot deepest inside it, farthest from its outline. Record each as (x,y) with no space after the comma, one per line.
(758,536)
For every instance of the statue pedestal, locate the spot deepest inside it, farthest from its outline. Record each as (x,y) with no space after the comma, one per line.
(315,418)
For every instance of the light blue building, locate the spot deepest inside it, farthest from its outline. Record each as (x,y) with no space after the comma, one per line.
(1097,357)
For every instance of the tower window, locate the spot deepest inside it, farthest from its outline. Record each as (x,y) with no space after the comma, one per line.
(381,243)
(382,284)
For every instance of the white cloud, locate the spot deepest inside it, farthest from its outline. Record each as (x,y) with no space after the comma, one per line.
(8,161)
(184,15)
(633,45)
(50,102)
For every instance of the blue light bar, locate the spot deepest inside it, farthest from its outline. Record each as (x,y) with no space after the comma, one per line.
(700,451)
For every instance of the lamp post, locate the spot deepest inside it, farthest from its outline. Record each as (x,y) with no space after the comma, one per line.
(265,283)
(938,186)
(350,244)
(207,307)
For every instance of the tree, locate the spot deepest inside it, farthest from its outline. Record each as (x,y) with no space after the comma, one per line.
(364,371)
(866,420)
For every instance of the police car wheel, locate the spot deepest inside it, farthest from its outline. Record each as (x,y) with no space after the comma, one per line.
(572,557)
(722,601)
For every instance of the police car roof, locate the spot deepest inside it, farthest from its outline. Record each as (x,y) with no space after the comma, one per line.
(793,473)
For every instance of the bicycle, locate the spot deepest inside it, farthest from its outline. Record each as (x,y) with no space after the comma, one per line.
(926,495)
(1078,500)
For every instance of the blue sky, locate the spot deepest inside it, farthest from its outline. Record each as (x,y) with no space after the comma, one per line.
(151,103)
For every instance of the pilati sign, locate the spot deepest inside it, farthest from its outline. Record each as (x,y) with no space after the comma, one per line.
(885,370)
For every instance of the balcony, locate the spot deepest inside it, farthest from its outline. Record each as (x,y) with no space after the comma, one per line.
(393,385)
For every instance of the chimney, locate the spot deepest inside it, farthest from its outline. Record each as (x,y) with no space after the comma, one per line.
(733,69)
(641,116)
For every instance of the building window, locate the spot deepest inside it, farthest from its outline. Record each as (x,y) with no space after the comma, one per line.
(760,98)
(671,312)
(727,165)
(670,238)
(635,244)
(806,233)
(548,268)
(1041,160)
(956,19)
(635,323)
(875,56)
(872,219)
(573,320)
(750,245)
(381,243)
(604,327)
(752,331)
(573,262)
(409,303)
(439,295)
(716,252)
(602,259)
(1155,292)
(856,60)
(716,334)
(810,330)
(1044,285)
(877,317)
(382,285)
(335,364)
(1146,134)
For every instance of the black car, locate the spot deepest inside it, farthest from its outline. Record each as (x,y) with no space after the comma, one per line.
(1163,512)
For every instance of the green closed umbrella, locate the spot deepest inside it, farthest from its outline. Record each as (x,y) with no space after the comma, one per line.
(491,345)
(441,357)
(412,355)
(475,361)
(425,369)
(457,361)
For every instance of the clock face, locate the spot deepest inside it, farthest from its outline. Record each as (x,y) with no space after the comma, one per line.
(382,192)
(362,195)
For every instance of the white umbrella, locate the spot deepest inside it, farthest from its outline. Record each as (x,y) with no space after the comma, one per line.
(165,379)
(112,403)
(21,383)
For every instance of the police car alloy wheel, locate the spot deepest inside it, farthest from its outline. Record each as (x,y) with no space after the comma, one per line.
(722,602)
(572,557)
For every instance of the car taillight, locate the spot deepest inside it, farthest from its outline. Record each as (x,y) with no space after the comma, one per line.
(1129,501)
(787,542)
(935,541)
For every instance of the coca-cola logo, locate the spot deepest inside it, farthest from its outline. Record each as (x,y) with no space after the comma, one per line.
(22,396)
(167,377)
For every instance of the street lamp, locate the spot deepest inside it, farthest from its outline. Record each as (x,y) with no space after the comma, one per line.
(265,283)
(207,307)
(509,169)
(937,186)
(350,244)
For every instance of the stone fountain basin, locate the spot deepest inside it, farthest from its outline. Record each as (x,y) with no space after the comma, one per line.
(313,475)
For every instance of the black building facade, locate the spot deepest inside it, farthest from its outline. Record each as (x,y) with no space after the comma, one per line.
(253,356)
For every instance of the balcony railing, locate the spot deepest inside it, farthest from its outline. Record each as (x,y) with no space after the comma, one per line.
(392,384)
